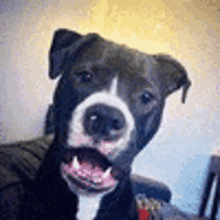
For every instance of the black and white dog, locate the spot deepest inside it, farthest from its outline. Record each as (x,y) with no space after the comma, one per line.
(108,106)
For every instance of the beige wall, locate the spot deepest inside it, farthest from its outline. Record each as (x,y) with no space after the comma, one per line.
(189,30)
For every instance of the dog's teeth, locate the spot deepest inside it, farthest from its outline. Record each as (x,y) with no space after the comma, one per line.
(107,172)
(76,163)
(97,180)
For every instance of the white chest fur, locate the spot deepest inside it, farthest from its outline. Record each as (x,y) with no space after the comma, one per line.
(88,207)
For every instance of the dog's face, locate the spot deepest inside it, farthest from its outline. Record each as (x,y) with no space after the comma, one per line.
(108,105)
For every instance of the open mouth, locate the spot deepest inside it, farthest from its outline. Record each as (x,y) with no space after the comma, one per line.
(89,170)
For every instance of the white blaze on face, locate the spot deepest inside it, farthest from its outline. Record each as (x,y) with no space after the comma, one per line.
(77,135)
(114,86)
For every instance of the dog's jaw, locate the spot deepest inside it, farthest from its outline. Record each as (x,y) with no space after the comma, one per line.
(86,180)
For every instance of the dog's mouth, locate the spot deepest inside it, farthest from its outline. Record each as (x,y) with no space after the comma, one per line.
(87,169)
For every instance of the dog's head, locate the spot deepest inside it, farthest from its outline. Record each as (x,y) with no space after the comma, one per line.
(108,105)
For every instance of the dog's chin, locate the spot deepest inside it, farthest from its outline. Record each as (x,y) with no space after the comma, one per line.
(87,172)
(86,187)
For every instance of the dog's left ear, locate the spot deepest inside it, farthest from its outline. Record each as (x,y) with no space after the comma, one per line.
(173,75)
(63,42)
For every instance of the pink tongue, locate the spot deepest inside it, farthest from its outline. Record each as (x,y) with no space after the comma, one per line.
(87,168)
(87,171)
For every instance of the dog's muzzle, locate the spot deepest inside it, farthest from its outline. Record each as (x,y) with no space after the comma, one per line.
(99,131)
(86,168)
(102,122)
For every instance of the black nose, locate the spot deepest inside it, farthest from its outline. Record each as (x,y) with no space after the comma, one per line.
(104,123)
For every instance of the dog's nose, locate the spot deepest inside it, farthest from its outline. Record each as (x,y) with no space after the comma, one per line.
(104,123)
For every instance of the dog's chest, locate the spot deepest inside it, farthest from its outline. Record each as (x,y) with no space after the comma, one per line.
(88,207)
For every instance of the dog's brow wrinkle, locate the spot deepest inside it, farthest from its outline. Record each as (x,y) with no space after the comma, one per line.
(114,86)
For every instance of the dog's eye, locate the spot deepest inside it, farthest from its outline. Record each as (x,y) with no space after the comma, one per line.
(146,97)
(85,77)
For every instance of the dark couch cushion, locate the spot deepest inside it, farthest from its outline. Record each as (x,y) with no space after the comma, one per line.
(19,163)
(21,160)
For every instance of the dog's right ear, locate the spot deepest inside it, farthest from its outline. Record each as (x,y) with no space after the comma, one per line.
(63,41)
(173,75)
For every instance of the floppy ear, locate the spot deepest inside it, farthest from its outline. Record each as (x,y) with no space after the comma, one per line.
(63,42)
(173,75)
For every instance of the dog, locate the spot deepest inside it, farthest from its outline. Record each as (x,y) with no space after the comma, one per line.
(108,105)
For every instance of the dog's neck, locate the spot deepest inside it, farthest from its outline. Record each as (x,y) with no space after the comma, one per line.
(88,207)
